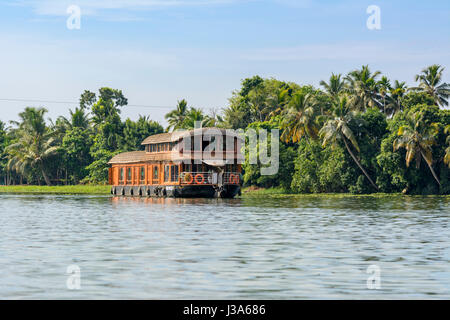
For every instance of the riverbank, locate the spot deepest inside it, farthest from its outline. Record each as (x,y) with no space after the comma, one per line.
(280,193)
(77,189)
(106,190)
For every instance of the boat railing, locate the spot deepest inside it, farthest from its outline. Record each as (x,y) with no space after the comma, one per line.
(231,178)
(208,178)
(197,178)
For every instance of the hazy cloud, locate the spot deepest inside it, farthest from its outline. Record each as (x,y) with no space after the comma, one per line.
(91,7)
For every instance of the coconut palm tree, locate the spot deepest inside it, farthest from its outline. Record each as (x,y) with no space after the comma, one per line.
(259,104)
(3,143)
(194,115)
(78,119)
(176,117)
(384,86)
(34,143)
(212,120)
(447,151)
(397,92)
(418,139)
(363,88)
(335,85)
(337,130)
(276,101)
(298,119)
(430,81)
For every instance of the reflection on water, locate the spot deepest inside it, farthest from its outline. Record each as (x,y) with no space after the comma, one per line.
(261,248)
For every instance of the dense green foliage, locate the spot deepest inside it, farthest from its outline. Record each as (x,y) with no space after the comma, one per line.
(358,133)
(3,159)
(341,138)
(71,150)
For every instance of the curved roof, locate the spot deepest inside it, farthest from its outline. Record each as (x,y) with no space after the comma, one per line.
(142,156)
(177,135)
(158,138)
(128,157)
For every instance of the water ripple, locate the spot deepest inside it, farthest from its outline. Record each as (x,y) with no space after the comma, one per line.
(252,248)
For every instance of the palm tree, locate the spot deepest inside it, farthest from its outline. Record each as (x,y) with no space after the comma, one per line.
(335,85)
(430,82)
(257,100)
(78,119)
(395,100)
(176,117)
(237,115)
(194,115)
(384,86)
(298,119)
(276,101)
(34,143)
(337,129)
(212,120)
(363,88)
(447,151)
(417,138)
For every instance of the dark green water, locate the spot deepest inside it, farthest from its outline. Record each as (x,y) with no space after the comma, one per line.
(253,248)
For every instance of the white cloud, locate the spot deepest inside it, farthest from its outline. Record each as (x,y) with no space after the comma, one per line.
(93,7)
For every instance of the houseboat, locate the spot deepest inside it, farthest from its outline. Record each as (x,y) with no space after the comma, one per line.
(203,162)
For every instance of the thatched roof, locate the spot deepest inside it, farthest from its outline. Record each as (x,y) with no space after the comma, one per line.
(178,135)
(142,156)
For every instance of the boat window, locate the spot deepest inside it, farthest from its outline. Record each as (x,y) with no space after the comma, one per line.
(129,174)
(155,172)
(166,173)
(121,174)
(174,173)
(142,173)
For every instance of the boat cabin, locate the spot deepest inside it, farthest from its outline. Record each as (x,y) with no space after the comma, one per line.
(203,162)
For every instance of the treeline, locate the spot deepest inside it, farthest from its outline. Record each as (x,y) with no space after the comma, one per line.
(70,150)
(358,133)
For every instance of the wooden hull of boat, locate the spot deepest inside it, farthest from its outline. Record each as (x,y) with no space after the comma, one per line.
(189,191)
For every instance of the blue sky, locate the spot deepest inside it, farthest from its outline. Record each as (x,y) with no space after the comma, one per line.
(160,51)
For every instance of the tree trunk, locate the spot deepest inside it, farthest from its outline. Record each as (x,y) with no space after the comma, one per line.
(431,168)
(44,174)
(359,165)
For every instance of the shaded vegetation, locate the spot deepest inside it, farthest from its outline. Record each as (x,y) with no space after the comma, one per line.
(360,133)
